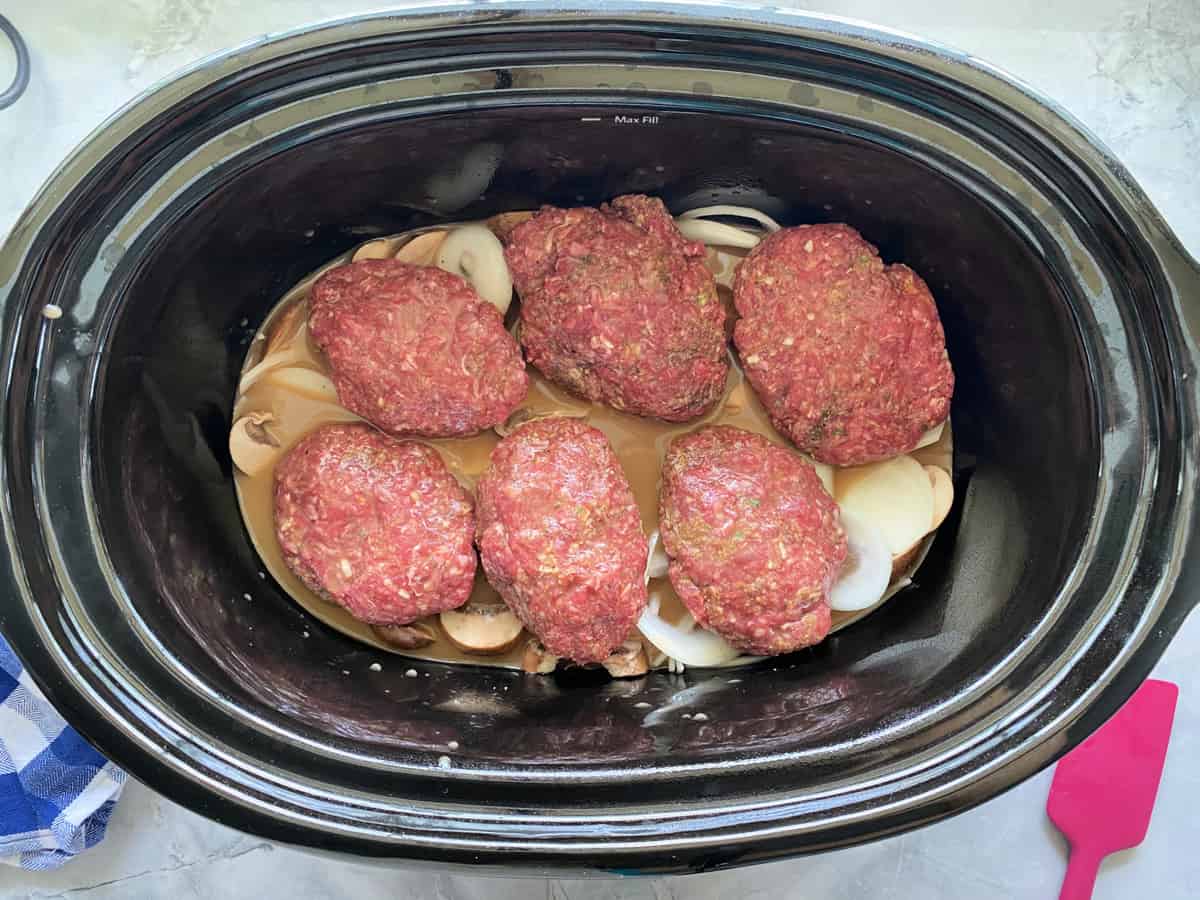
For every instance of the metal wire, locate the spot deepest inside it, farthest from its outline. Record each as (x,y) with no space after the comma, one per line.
(14,91)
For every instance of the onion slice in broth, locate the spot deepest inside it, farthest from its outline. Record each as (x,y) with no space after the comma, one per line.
(725,210)
(716,234)
(692,646)
(656,557)
(868,569)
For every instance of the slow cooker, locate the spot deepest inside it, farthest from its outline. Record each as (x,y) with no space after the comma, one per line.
(134,596)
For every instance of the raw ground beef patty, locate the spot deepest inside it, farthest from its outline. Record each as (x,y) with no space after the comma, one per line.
(374,524)
(618,307)
(560,537)
(414,350)
(846,354)
(753,539)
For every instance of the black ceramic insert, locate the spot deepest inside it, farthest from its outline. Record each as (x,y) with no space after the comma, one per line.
(137,601)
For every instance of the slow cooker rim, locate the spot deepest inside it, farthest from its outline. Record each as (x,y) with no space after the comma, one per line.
(1143,213)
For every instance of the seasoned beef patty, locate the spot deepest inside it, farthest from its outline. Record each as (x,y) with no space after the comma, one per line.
(618,307)
(753,539)
(560,537)
(374,524)
(846,354)
(414,350)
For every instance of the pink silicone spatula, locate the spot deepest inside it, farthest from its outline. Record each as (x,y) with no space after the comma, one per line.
(1103,790)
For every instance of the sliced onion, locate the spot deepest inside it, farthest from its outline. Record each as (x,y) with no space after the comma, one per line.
(868,569)
(694,647)
(656,557)
(716,233)
(253,444)
(737,212)
(474,253)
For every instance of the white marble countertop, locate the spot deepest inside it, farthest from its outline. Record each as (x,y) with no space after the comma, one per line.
(1129,69)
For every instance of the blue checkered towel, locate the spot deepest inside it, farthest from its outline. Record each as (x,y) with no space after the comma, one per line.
(56,792)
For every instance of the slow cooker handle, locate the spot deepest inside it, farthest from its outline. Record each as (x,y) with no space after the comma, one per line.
(13,92)
(1183,270)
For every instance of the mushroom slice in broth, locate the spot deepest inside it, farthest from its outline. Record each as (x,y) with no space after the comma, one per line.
(483,628)
(406,637)
(253,444)
(473,252)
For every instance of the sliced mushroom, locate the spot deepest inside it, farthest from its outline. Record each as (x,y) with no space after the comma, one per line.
(406,637)
(484,629)
(423,249)
(380,249)
(735,212)
(473,252)
(627,661)
(502,224)
(716,234)
(252,444)
(896,495)
(537,660)
(304,381)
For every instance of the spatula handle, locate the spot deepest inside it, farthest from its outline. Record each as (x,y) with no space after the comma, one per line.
(1081,874)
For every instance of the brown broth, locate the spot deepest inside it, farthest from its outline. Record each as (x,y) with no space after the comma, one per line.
(640,445)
